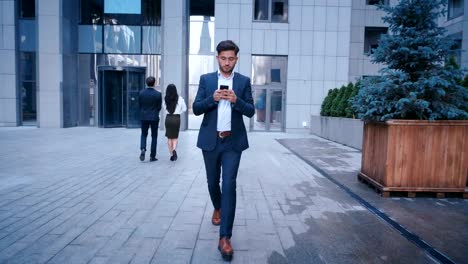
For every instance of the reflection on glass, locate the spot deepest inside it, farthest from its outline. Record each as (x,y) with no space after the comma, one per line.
(90,39)
(198,65)
(151,10)
(151,40)
(27,9)
(27,79)
(122,39)
(202,35)
(91,12)
(269,74)
(275,110)
(122,6)
(261,66)
(261,9)
(279,11)
(269,69)
(27,35)
(260,105)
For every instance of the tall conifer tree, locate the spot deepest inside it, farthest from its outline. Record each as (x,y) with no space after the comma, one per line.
(415,83)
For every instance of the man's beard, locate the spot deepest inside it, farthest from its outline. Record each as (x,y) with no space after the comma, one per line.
(226,72)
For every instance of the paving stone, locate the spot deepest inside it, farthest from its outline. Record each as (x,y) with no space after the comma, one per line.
(83,196)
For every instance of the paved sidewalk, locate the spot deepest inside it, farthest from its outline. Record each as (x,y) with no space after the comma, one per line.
(81,195)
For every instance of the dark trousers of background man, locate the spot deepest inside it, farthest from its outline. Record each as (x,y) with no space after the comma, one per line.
(145,125)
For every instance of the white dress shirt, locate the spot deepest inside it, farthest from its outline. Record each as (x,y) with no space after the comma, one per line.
(180,107)
(224,106)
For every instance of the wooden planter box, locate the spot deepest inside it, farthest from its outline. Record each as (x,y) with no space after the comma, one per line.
(416,156)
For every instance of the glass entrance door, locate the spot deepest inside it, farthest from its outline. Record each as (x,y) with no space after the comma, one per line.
(135,82)
(118,96)
(268,102)
(269,74)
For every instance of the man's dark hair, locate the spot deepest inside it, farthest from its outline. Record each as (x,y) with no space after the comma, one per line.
(227,45)
(150,81)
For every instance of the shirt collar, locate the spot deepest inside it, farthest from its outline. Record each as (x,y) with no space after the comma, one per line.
(222,76)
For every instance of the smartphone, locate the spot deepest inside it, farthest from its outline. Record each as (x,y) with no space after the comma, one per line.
(224,87)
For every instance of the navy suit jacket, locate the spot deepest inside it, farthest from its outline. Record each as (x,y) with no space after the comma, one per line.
(205,104)
(150,102)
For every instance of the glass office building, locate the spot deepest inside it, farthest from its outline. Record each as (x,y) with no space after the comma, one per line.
(83,62)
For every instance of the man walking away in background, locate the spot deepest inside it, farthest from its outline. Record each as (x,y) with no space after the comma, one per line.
(150,102)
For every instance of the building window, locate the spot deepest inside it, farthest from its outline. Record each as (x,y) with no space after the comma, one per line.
(91,12)
(456,50)
(455,8)
(27,83)
(120,26)
(120,12)
(271,11)
(371,38)
(27,9)
(376,2)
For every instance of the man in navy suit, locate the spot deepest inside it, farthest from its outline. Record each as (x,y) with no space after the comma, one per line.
(150,102)
(224,97)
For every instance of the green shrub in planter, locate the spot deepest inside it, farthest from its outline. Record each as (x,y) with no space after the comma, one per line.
(343,103)
(327,103)
(335,111)
(349,111)
(415,83)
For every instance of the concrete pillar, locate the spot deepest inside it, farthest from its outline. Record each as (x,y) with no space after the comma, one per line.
(9,115)
(175,44)
(49,63)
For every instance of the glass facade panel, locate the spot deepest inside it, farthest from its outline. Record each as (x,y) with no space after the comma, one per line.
(455,8)
(27,9)
(91,12)
(261,8)
(27,35)
(376,2)
(269,70)
(202,35)
(90,39)
(372,36)
(151,40)
(151,12)
(279,11)
(27,80)
(269,74)
(122,39)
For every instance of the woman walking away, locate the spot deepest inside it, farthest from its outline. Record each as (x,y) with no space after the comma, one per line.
(174,105)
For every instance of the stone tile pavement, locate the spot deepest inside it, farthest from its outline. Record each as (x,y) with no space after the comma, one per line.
(81,195)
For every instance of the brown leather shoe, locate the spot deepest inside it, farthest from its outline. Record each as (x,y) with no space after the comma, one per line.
(225,248)
(216,218)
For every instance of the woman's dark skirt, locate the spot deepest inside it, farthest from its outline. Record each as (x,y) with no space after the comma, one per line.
(172,124)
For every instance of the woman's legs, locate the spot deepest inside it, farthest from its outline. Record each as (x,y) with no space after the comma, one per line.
(169,146)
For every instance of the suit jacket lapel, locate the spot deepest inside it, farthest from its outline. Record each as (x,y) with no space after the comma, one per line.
(235,83)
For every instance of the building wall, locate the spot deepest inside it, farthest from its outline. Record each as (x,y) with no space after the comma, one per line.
(317,48)
(174,49)
(49,63)
(9,115)
(323,41)
(457,26)
(362,16)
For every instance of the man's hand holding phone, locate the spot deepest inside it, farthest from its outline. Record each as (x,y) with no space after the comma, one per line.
(225,93)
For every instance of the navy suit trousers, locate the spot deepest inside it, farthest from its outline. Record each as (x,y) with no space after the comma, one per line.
(223,160)
(145,125)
